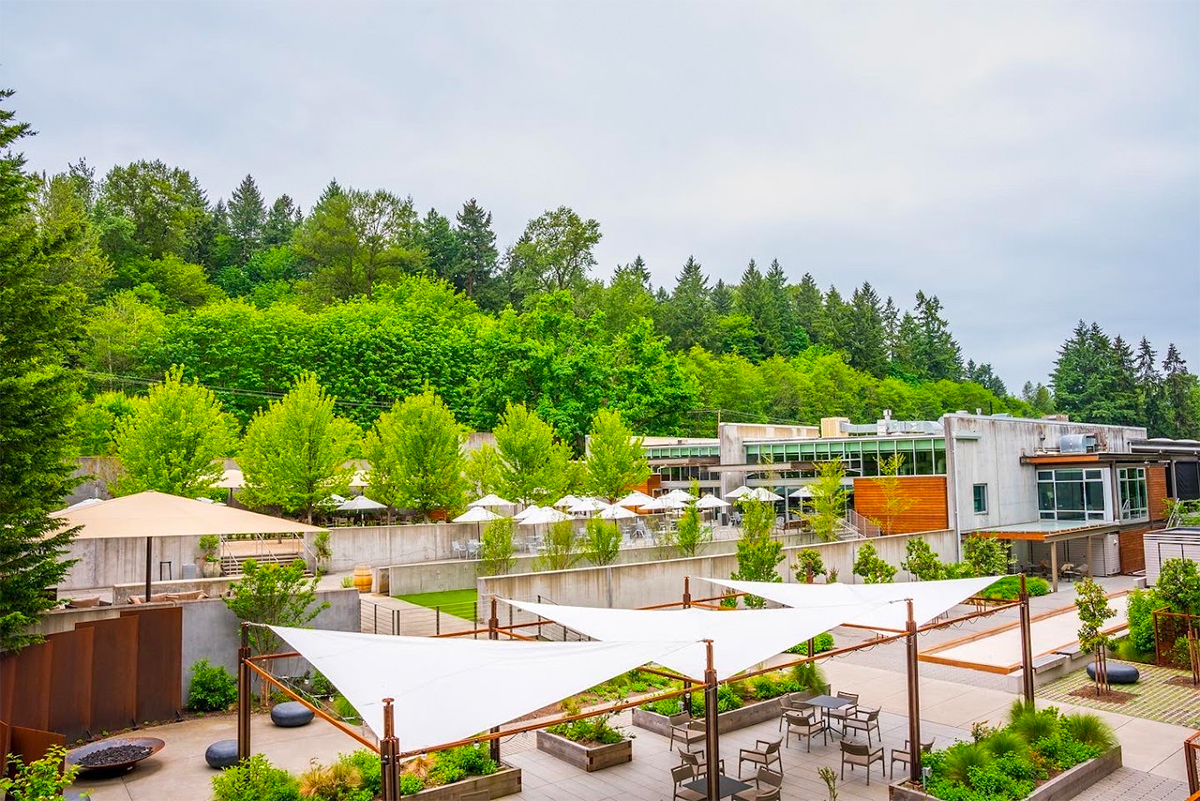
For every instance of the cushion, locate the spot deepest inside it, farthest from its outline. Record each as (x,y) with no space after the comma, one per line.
(291,714)
(83,603)
(222,754)
(1118,673)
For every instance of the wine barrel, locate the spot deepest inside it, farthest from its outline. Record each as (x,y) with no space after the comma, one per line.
(362,578)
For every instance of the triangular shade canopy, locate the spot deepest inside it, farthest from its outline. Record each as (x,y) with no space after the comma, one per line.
(477,514)
(491,499)
(636,498)
(762,494)
(741,639)
(587,505)
(158,514)
(885,608)
(526,512)
(449,689)
(662,504)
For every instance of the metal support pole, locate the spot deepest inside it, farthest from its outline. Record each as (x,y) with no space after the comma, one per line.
(493,634)
(1026,645)
(914,700)
(712,746)
(389,751)
(243,702)
(687,593)
(148,542)
(812,643)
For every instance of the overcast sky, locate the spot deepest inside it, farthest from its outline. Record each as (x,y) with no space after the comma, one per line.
(1031,164)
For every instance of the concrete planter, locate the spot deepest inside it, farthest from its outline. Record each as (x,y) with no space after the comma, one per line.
(740,718)
(586,757)
(506,781)
(1067,784)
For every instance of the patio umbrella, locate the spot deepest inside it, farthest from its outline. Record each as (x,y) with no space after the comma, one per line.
(616,513)
(491,499)
(737,493)
(526,512)
(710,501)
(683,496)
(566,501)
(543,516)
(362,478)
(801,492)
(587,505)
(635,498)
(83,504)
(762,494)
(662,504)
(477,515)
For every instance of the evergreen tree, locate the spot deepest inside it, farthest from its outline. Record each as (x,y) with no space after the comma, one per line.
(753,301)
(936,350)
(1181,396)
(626,300)
(442,246)
(905,361)
(638,267)
(690,317)
(833,326)
(810,308)
(247,217)
(1125,399)
(867,342)
(1149,387)
(477,254)
(985,376)
(722,298)
(38,322)
(282,221)
(891,327)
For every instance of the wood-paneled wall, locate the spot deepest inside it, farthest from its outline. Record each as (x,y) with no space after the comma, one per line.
(1133,550)
(927,511)
(1156,490)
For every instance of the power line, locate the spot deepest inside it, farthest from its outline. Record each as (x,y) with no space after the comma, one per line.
(249,393)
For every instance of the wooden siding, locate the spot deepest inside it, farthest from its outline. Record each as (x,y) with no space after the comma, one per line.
(928,509)
(1156,490)
(1133,551)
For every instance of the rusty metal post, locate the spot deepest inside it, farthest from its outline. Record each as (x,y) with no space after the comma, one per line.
(914,699)
(493,634)
(812,643)
(389,754)
(1026,645)
(687,593)
(712,746)
(148,541)
(243,702)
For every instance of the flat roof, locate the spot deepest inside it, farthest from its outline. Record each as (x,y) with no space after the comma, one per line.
(1047,530)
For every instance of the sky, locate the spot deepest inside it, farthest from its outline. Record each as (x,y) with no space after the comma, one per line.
(1031,164)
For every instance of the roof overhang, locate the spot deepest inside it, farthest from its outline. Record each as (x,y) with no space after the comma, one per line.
(1047,531)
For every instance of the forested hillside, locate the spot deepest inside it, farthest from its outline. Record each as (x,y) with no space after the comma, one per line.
(380,301)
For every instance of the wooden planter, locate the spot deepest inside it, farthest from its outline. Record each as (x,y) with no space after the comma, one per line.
(735,719)
(505,781)
(587,757)
(1067,784)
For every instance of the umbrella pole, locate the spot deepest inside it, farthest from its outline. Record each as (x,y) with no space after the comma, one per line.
(243,702)
(711,744)
(148,542)
(914,701)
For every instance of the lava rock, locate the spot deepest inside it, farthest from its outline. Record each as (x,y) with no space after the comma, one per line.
(222,754)
(291,714)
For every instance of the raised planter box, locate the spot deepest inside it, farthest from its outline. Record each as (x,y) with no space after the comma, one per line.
(506,781)
(1067,784)
(735,719)
(587,757)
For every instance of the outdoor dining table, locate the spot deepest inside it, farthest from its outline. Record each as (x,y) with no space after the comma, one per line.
(726,785)
(828,702)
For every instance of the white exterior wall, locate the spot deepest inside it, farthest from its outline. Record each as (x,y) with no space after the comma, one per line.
(1170,544)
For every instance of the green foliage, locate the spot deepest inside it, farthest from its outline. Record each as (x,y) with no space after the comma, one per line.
(590,731)
(727,701)
(209,544)
(415,450)
(1140,606)
(758,553)
(601,541)
(986,556)
(340,781)
(410,784)
(532,464)
(962,759)
(1009,588)
(895,500)
(1032,724)
(1089,729)
(97,421)
(482,470)
(497,553)
(344,709)
(174,440)
(561,548)
(1179,585)
(667,706)
(554,252)
(212,688)
(277,595)
(294,453)
(810,677)
(809,565)
(1094,610)
(872,568)
(921,561)
(616,460)
(255,779)
(45,779)
(821,643)
(828,500)
(322,550)
(456,763)
(690,533)
(1002,742)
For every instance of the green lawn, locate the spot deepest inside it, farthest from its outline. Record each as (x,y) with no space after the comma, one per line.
(460,603)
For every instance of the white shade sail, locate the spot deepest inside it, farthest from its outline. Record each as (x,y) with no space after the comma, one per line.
(636,498)
(232,478)
(930,598)
(449,689)
(741,639)
(567,501)
(361,478)
(542,516)
(491,499)
(737,493)
(477,515)
(710,501)
(616,513)
(361,503)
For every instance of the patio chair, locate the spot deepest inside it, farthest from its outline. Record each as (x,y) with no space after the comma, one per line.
(792,702)
(901,755)
(844,712)
(863,720)
(766,787)
(680,775)
(459,551)
(805,725)
(697,760)
(685,729)
(472,549)
(764,755)
(857,754)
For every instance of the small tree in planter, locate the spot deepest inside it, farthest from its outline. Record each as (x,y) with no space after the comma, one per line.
(209,545)
(322,552)
(758,553)
(1093,612)
(809,565)
(921,561)
(497,554)
(872,568)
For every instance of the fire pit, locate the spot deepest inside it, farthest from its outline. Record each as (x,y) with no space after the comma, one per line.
(116,755)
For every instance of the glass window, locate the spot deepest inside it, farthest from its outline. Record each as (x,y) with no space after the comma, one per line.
(1071,495)
(980,493)
(1133,496)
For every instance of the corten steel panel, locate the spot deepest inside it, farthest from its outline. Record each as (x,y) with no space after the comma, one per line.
(5,742)
(926,497)
(32,744)
(159,661)
(1133,552)
(114,672)
(8,685)
(71,683)
(1156,490)
(31,697)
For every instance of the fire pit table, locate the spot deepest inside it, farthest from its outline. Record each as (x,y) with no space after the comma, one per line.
(115,755)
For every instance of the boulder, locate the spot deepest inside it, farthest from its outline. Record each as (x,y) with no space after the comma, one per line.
(291,714)
(1118,673)
(222,754)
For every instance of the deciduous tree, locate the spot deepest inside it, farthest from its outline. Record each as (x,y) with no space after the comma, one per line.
(532,464)
(616,460)
(554,252)
(828,500)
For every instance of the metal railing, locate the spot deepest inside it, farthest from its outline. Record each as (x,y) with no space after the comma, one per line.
(1191,752)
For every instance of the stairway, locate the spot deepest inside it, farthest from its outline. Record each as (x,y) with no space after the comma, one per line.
(232,565)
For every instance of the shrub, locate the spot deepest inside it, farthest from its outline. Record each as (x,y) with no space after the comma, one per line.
(1140,605)
(810,677)
(456,764)
(344,709)
(366,762)
(1009,588)
(410,784)
(591,730)
(212,688)
(872,568)
(727,701)
(255,779)
(1063,752)
(44,779)
(1005,742)
(1033,725)
(962,758)
(921,561)
(808,561)
(340,781)
(823,642)
(1179,585)
(667,706)
(1089,729)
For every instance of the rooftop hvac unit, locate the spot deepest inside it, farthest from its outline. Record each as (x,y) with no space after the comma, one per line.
(1077,443)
